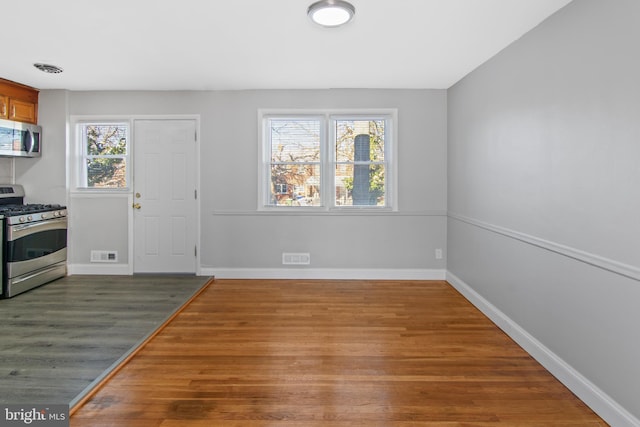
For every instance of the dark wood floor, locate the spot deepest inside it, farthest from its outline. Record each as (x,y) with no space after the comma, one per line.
(56,340)
(343,353)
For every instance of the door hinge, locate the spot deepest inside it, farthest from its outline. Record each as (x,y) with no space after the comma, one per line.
(195,251)
(195,136)
(195,194)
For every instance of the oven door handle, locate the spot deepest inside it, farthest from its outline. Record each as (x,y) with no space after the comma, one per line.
(15,232)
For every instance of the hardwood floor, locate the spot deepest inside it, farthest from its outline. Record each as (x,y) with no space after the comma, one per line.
(60,338)
(344,353)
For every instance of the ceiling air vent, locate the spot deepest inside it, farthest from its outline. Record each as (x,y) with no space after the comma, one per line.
(48,68)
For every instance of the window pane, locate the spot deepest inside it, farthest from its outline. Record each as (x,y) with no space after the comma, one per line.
(106,173)
(360,185)
(353,150)
(295,185)
(294,140)
(360,140)
(103,139)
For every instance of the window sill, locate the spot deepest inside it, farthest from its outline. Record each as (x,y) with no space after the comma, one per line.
(79,192)
(329,213)
(320,210)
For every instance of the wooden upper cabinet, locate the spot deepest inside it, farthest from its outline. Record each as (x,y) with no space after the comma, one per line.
(4,107)
(18,102)
(22,111)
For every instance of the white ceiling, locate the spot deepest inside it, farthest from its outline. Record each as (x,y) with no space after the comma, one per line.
(256,44)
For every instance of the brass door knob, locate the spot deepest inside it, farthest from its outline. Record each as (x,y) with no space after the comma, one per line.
(136,206)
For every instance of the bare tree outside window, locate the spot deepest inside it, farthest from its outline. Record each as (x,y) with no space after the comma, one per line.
(328,160)
(295,162)
(360,162)
(105,148)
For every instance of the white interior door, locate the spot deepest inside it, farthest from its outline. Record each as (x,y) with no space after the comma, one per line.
(164,196)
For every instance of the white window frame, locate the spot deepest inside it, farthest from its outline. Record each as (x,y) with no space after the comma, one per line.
(327,157)
(80,178)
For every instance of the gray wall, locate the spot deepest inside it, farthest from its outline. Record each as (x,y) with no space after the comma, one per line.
(543,173)
(235,238)
(44,178)
(6,170)
(239,238)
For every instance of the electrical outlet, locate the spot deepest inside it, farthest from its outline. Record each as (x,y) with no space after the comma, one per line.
(438,253)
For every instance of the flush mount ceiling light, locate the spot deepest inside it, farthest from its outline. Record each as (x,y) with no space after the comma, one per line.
(331,13)
(48,68)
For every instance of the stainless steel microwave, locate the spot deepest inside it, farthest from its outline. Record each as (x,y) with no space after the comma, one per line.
(19,139)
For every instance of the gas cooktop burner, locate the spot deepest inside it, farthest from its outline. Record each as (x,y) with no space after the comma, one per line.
(23,214)
(16,212)
(13,210)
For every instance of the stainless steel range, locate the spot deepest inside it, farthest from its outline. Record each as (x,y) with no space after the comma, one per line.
(34,242)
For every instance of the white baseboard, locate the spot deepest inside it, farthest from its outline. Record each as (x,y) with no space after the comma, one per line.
(279,273)
(601,403)
(324,273)
(100,268)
